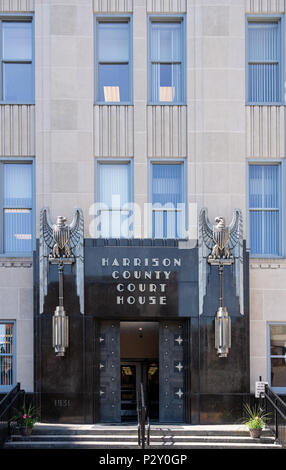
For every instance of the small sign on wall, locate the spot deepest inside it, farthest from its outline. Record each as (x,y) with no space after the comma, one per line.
(260,389)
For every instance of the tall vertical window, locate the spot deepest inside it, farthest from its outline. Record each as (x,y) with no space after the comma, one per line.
(265,209)
(17,201)
(114,196)
(264,56)
(168,201)
(277,357)
(7,356)
(166,61)
(17,82)
(113,61)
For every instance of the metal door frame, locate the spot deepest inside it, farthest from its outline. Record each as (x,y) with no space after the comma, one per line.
(140,361)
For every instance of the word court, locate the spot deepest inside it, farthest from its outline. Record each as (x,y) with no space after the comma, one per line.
(141,281)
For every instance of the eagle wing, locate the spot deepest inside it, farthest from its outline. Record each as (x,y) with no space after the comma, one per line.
(47,228)
(206,228)
(235,229)
(76,228)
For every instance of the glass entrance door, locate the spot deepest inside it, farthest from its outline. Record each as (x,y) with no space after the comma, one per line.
(132,375)
(129,387)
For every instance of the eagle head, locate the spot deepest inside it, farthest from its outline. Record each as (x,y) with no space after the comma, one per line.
(61,221)
(220,222)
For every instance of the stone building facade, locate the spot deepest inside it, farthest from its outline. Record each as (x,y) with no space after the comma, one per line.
(66,131)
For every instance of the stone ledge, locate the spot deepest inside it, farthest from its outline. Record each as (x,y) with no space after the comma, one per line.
(267,265)
(16,262)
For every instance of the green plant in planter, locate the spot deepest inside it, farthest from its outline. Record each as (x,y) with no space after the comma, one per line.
(256,419)
(25,418)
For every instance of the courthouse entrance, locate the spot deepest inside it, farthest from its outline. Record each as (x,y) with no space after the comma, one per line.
(135,352)
(133,374)
(149,311)
(139,364)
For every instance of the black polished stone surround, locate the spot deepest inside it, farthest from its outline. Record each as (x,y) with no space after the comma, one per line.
(67,388)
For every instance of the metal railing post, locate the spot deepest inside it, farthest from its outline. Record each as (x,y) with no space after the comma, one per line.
(142,417)
(276,421)
(277,407)
(143,427)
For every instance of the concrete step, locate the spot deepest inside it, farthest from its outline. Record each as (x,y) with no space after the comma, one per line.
(154,439)
(156,430)
(47,436)
(133,445)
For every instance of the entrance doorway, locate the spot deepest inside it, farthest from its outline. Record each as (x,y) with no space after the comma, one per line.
(132,375)
(151,353)
(139,363)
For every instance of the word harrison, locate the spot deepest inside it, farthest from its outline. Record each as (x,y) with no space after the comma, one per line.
(131,292)
(136,262)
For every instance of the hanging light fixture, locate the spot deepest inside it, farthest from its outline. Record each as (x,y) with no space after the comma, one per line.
(222,320)
(60,331)
(60,319)
(222,332)
(60,245)
(225,243)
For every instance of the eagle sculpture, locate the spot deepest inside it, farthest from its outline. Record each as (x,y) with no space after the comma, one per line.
(219,238)
(63,242)
(61,238)
(220,243)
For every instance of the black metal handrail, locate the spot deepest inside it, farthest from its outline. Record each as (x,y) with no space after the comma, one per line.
(143,419)
(15,398)
(278,414)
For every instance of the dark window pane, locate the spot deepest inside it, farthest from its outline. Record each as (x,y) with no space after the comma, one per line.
(6,338)
(114,82)
(6,370)
(6,351)
(278,372)
(277,340)
(18,82)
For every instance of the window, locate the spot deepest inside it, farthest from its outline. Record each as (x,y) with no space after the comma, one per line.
(7,356)
(114,199)
(113,60)
(17,81)
(168,201)
(166,61)
(264,55)
(265,209)
(277,357)
(16,214)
